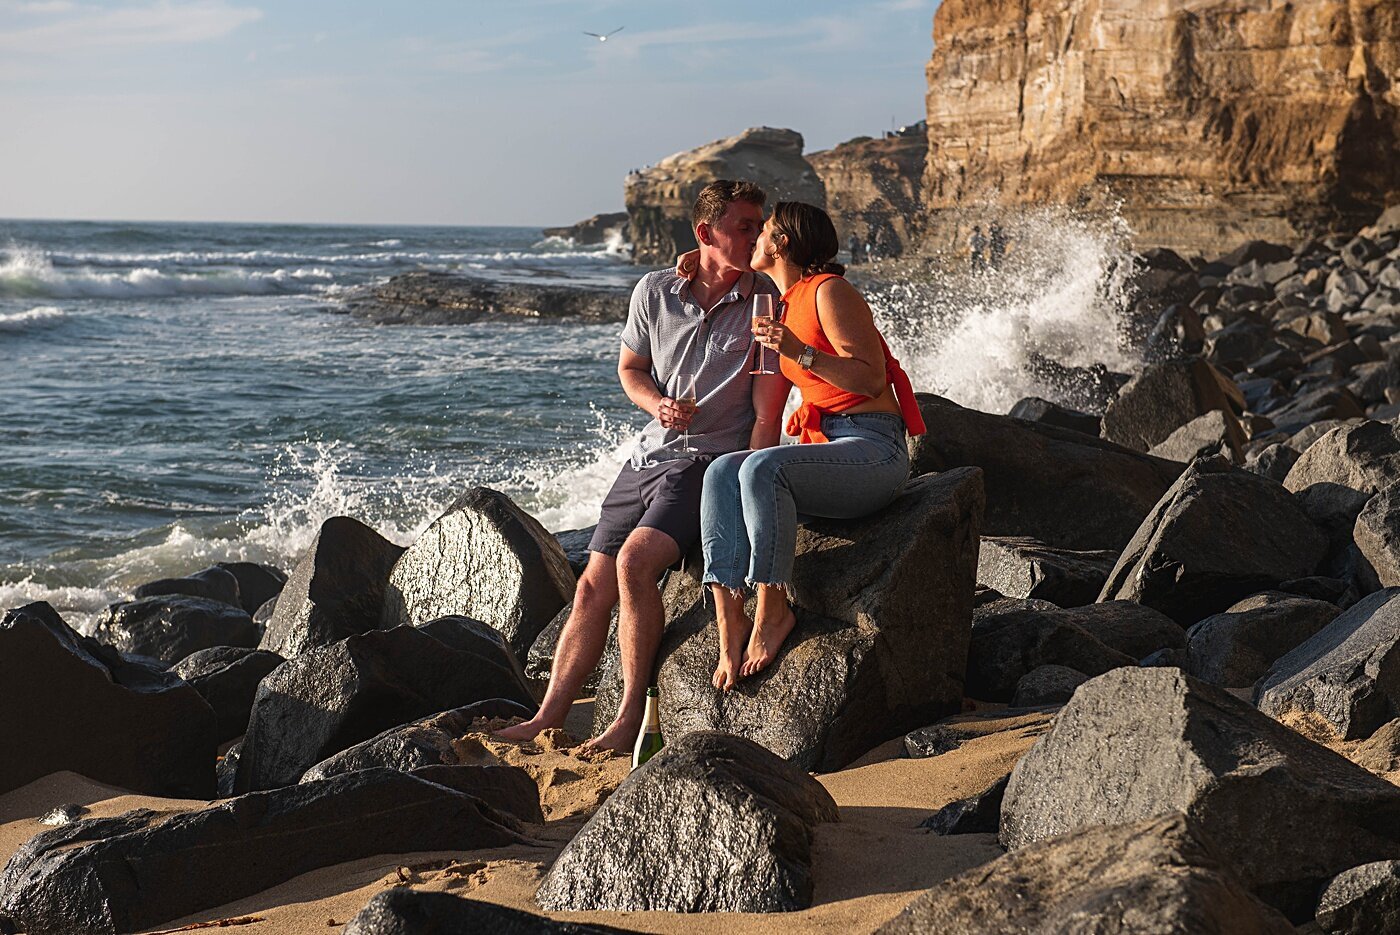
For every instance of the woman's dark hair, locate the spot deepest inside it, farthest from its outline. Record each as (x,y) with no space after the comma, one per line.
(809,237)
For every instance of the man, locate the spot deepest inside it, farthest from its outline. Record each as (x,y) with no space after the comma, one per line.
(978,243)
(651,517)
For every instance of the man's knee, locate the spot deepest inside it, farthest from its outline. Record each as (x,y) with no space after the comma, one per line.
(644,556)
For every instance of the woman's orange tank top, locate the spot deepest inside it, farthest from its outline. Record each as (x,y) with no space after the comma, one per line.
(818,396)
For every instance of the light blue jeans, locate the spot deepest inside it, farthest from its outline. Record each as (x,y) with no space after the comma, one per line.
(752,499)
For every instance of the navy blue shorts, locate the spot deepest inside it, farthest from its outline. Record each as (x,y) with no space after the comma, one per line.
(665,496)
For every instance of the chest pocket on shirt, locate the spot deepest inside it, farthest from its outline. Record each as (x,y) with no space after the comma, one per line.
(723,342)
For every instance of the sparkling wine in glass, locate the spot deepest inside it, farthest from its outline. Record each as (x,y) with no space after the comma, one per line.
(763,310)
(685,398)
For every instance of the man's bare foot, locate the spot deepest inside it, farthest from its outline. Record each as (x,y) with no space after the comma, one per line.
(620,737)
(526,730)
(727,672)
(765,641)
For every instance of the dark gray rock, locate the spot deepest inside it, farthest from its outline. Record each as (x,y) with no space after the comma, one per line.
(1364,456)
(949,734)
(1287,813)
(172,626)
(540,663)
(406,911)
(212,584)
(1319,588)
(257,584)
(1164,659)
(226,771)
(1257,251)
(1035,409)
(1130,628)
(137,871)
(1348,673)
(883,606)
(1218,535)
(1362,901)
(1314,406)
(574,542)
(976,814)
(508,789)
(71,703)
(1021,567)
(1047,685)
(671,835)
(1151,877)
(1164,397)
(335,591)
(1377,536)
(227,678)
(332,698)
(1215,433)
(1048,483)
(1235,649)
(487,559)
(1011,637)
(431,297)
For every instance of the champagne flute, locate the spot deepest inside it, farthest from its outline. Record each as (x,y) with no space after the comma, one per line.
(686,399)
(763,310)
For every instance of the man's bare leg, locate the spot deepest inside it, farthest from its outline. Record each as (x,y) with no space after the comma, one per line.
(734,628)
(581,644)
(641,617)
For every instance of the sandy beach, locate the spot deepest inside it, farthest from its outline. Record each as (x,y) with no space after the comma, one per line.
(866,867)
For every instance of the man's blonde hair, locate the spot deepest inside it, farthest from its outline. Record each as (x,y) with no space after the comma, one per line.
(714,199)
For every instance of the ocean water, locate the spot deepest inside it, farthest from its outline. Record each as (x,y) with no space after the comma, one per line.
(179,394)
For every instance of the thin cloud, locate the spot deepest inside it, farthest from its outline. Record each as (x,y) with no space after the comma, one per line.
(158,23)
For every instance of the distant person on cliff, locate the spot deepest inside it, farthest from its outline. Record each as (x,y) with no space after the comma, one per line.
(854,246)
(996,244)
(857,406)
(978,243)
(676,326)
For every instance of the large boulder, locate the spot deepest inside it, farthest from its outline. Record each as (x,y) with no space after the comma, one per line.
(1362,901)
(171,626)
(137,871)
(71,703)
(331,698)
(1052,484)
(1348,673)
(1235,649)
(213,583)
(1287,813)
(335,591)
(1021,567)
(1376,533)
(1218,535)
(227,677)
(1011,637)
(1150,877)
(659,198)
(257,584)
(1216,432)
(487,559)
(1364,456)
(712,823)
(406,911)
(884,607)
(540,662)
(1164,397)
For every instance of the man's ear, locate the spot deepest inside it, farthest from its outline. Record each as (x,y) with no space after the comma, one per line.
(702,234)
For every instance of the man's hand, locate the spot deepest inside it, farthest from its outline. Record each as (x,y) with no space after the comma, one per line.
(674,414)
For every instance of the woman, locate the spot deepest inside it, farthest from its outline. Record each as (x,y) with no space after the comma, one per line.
(857,405)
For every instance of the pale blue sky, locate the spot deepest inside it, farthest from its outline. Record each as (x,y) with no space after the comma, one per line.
(420,111)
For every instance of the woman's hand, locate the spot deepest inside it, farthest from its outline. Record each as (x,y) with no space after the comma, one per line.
(776,336)
(688,264)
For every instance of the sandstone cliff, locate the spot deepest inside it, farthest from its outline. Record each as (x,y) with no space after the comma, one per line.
(659,198)
(1213,120)
(873,186)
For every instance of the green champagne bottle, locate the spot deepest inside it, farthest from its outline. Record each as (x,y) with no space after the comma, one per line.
(649,741)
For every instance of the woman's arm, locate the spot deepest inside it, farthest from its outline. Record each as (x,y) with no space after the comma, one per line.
(770,393)
(858,366)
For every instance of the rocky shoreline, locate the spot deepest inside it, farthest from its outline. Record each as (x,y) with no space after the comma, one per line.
(427,297)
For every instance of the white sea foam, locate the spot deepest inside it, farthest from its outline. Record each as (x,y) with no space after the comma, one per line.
(1062,293)
(38,317)
(27,272)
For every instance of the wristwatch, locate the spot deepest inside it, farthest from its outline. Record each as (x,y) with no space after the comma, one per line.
(807,357)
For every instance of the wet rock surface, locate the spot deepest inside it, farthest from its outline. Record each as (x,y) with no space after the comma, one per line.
(214,584)
(405,911)
(227,678)
(171,626)
(71,703)
(1021,567)
(670,835)
(332,698)
(1286,813)
(428,297)
(134,872)
(883,605)
(487,559)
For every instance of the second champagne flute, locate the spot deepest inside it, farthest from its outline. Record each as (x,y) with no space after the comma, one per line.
(685,396)
(762,311)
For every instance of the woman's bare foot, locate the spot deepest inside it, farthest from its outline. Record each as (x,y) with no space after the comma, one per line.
(765,641)
(620,737)
(526,730)
(727,672)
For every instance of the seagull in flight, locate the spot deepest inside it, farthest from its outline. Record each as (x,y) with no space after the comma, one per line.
(604,37)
